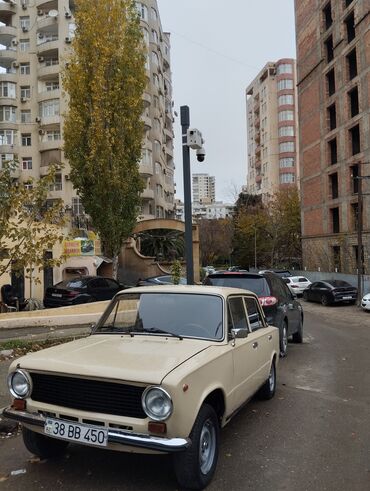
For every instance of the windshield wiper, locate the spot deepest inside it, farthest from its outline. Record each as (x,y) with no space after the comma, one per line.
(111,329)
(161,331)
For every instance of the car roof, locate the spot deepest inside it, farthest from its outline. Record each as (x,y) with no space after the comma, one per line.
(220,274)
(192,289)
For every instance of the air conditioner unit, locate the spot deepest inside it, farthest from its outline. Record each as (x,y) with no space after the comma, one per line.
(41,132)
(25,29)
(23,99)
(68,15)
(40,12)
(67,177)
(41,59)
(15,64)
(68,40)
(38,120)
(14,42)
(40,35)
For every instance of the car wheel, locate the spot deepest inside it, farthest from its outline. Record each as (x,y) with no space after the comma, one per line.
(305,296)
(267,391)
(324,300)
(41,445)
(298,336)
(283,339)
(194,468)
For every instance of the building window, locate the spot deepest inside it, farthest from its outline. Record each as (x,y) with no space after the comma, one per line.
(286,99)
(334,212)
(156,80)
(285,83)
(25,116)
(154,36)
(52,135)
(287,178)
(7,89)
(27,163)
(46,37)
(286,147)
(143,11)
(154,14)
(330,80)
(353,102)
(286,131)
(25,68)
(352,64)
(333,151)
(7,113)
(284,68)
(24,22)
(286,116)
(157,147)
(158,168)
(347,3)
(355,140)
(332,117)
(24,45)
(26,139)
(350,27)
(354,216)
(354,178)
(328,19)
(57,184)
(286,162)
(52,85)
(329,48)
(51,61)
(336,258)
(7,137)
(155,58)
(49,108)
(77,208)
(5,158)
(333,184)
(25,92)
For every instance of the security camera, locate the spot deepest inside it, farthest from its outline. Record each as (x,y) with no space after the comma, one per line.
(201,154)
(194,139)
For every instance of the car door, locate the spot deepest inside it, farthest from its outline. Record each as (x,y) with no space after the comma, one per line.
(113,288)
(98,289)
(246,358)
(294,312)
(318,290)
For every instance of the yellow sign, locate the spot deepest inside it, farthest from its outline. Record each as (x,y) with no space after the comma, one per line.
(81,247)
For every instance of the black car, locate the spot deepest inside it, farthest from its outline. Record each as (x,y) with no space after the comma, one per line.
(279,304)
(82,289)
(159,280)
(331,291)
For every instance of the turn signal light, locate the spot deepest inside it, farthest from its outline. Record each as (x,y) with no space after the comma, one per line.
(159,428)
(19,404)
(267,301)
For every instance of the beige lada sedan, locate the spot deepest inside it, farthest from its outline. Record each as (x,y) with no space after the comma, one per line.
(164,369)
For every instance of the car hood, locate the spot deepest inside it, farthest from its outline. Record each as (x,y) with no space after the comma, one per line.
(141,358)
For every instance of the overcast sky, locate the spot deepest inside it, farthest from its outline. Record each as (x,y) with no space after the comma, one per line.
(217,48)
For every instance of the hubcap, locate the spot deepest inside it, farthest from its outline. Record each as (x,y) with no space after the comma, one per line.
(285,339)
(207,446)
(272,378)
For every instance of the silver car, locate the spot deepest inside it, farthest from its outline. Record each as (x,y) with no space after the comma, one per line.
(297,284)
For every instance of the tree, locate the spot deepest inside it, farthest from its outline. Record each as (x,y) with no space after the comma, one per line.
(162,244)
(29,223)
(105,80)
(215,240)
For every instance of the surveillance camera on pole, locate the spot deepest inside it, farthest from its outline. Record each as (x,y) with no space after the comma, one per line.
(196,141)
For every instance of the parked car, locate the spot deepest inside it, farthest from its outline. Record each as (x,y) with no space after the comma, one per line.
(82,289)
(365,302)
(297,284)
(159,280)
(283,273)
(163,371)
(329,292)
(279,305)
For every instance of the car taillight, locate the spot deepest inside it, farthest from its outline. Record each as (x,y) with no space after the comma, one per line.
(267,301)
(294,286)
(72,294)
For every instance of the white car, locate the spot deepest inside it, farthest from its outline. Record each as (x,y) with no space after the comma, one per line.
(365,302)
(297,284)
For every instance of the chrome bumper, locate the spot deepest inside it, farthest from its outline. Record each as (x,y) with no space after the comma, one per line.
(168,445)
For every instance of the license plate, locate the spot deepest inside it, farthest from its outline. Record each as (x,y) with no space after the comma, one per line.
(347,298)
(92,435)
(59,295)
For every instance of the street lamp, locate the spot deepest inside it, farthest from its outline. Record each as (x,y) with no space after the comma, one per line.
(191,138)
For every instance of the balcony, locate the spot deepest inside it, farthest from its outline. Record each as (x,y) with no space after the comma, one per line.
(8,101)
(48,94)
(7,34)
(168,133)
(9,77)
(48,72)
(50,120)
(147,194)
(259,178)
(48,47)
(7,56)
(13,149)
(6,11)
(46,145)
(45,22)
(8,125)
(258,149)
(145,169)
(147,98)
(147,122)
(47,4)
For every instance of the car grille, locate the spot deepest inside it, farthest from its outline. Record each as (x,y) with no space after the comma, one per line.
(88,395)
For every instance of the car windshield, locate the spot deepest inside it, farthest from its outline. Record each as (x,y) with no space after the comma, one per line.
(76,283)
(177,314)
(256,284)
(338,283)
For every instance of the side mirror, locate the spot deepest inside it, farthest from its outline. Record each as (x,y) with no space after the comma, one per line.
(239,333)
(92,327)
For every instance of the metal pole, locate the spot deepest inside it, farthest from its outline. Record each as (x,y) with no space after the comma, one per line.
(255,248)
(185,123)
(359,237)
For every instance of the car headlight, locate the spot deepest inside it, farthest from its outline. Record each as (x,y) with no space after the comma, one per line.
(157,403)
(20,384)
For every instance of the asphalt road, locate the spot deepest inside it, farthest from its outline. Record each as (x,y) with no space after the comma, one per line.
(314,435)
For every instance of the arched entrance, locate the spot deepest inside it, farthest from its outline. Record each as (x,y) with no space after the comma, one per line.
(133,265)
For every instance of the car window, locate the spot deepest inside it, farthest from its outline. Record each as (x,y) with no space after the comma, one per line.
(315,285)
(302,279)
(254,315)
(256,284)
(98,283)
(287,280)
(277,287)
(111,283)
(74,283)
(338,283)
(237,310)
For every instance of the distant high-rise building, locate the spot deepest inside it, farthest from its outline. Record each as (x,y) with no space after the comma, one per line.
(35,39)
(333,47)
(272,129)
(204,188)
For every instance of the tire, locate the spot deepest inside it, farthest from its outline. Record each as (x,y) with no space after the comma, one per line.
(41,445)
(267,391)
(305,297)
(324,300)
(298,336)
(194,468)
(283,336)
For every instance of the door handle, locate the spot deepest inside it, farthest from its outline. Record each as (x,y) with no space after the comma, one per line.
(270,337)
(255,345)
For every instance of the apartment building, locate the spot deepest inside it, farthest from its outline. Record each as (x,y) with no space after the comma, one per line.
(333,47)
(210,211)
(204,188)
(35,39)
(272,128)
